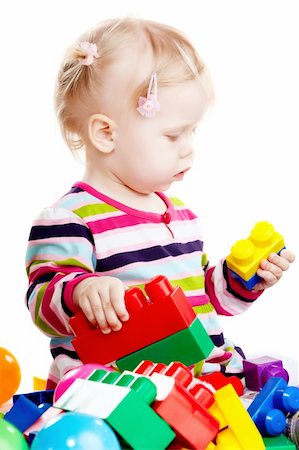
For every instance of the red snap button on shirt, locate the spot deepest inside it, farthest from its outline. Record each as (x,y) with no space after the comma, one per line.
(166,217)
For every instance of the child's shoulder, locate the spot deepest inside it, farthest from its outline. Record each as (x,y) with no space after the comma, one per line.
(78,201)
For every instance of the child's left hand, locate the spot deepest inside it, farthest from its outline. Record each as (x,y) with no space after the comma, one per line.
(271,269)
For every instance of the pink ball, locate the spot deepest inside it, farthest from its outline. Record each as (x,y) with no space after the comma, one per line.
(79,372)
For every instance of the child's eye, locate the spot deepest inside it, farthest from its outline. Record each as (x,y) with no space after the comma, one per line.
(172,138)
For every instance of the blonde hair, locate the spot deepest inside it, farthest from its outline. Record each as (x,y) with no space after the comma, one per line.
(77,83)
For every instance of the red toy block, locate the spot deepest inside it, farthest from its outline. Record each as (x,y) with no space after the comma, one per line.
(165,312)
(218,380)
(182,404)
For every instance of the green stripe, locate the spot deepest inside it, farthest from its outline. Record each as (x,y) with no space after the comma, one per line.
(190,283)
(198,368)
(176,201)
(37,319)
(186,284)
(94,209)
(203,309)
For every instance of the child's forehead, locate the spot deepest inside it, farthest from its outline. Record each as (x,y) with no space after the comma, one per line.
(183,104)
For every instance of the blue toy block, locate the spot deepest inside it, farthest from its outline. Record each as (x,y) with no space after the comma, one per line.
(270,406)
(38,397)
(23,413)
(249,284)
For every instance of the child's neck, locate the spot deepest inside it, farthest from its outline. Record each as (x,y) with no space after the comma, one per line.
(149,202)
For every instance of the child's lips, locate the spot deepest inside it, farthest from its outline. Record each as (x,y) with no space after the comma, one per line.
(180,175)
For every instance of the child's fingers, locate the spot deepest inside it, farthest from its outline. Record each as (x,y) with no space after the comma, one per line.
(86,308)
(275,269)
(96,303)
(111,317)
(288,255)
(267,276)
(117,293)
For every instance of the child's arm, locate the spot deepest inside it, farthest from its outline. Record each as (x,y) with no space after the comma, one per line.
(60,255)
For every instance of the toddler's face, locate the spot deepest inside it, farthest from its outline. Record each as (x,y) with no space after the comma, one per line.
(152,153)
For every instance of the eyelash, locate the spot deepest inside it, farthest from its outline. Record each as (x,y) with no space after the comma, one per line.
(175,138)
(172,138)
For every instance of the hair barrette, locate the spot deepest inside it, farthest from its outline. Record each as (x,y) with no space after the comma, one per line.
(90,51)
(149,105)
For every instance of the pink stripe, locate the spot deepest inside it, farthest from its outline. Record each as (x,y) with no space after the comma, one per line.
(154,217)
(49,315)
(198,300)
(220,359)
(183,214)
(98,226)
(211,293)
(58,240)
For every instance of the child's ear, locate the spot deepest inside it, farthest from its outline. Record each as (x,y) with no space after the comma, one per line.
(101,132)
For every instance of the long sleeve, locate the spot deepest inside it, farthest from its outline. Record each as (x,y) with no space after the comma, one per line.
(227,295)
(60,254)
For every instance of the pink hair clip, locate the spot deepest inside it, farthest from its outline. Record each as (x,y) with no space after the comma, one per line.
(149,105)
(90,51)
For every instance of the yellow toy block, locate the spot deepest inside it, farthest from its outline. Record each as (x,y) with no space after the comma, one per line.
(247,254)
(39,384)
(237,429)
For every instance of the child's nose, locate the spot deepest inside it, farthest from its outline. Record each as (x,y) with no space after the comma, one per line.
(187,149)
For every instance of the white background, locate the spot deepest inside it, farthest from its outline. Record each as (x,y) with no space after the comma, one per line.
(247,160)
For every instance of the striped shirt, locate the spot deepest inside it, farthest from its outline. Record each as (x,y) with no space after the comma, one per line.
(86,233)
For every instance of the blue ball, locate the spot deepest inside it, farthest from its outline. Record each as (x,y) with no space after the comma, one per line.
(75,431)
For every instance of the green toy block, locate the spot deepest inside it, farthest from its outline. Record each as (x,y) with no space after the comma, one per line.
(278,443)
(123,401)
(187,346)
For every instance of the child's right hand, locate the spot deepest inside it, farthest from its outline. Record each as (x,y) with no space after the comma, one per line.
(102,301)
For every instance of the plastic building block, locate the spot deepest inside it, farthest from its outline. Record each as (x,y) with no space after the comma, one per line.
(246,254)
(188,346)
(237,430)
(69,377)
(164,313)
(39,384)
(182,404)
(123,400)
(38,397)
(270,406)
(218,380)
(278,443)
(258,371)
(23,413)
